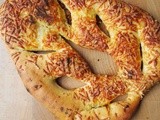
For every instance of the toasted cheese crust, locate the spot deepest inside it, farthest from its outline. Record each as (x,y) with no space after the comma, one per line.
(131,37)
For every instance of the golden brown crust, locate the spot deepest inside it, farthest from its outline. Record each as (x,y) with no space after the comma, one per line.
(28,26)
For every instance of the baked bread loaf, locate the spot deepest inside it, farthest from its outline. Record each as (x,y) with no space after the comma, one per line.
(36,34)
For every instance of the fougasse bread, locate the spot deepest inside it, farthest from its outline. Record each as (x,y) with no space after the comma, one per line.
(36,33)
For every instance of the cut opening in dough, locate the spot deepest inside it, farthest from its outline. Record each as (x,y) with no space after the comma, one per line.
(99,62)
(101,26)
(120,98)
(42,52)
(67,12)
(69,83)
(141,57)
